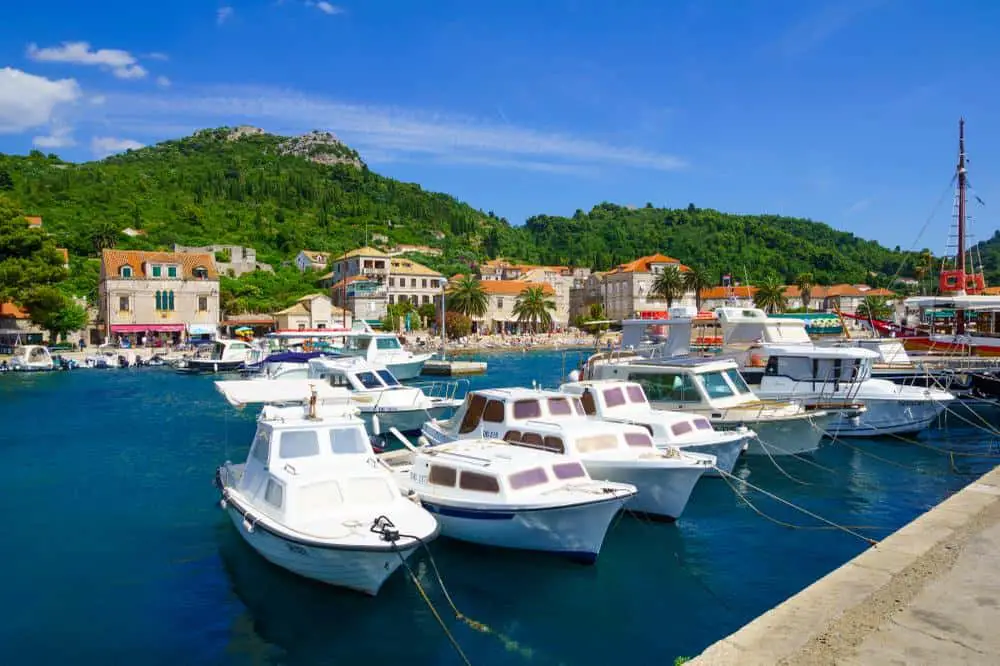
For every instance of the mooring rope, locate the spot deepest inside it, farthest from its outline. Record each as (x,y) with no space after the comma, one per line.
(434,610)
(829,524)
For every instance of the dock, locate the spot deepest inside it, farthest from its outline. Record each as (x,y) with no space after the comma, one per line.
(453,368)
(927,594)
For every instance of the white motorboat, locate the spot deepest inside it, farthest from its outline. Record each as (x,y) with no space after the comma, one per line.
(106,356)
(490,493)
(383,349)
(31,358)
(825,376)
(715,389)
(556,422)
(312,497)
(225,355)
(625,402)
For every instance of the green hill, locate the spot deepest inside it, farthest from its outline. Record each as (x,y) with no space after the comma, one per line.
(281,194)
(990,252)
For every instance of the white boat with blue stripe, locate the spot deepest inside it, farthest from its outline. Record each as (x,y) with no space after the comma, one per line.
(491,493)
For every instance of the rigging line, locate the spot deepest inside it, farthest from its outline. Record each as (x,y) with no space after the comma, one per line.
(923,228)
(829,526)
(434,611)
(774,462)
(989,427)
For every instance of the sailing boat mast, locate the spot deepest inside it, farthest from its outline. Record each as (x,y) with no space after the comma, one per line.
(960,258)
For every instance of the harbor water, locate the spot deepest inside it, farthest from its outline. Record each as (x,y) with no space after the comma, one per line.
(115,549)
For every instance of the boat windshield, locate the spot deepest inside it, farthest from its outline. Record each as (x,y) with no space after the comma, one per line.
(715,385)
(667,387)
(388,378)
(387,343)
(218,349)
(737,379)
(357,343)
(368,379)
(347,440)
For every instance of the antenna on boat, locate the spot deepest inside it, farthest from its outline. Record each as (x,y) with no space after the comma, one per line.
(312,401)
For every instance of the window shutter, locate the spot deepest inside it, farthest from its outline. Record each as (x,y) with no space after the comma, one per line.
(171,301)
(158,302)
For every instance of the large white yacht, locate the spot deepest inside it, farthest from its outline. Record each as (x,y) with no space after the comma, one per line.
(625,402)
(556,422)
(312,497)
(224,355)
(490,493)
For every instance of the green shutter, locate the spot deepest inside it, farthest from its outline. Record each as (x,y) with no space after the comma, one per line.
(158,302)
(172,271)
(156,271)
(171,301)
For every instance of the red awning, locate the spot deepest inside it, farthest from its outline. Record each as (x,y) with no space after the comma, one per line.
(142,328)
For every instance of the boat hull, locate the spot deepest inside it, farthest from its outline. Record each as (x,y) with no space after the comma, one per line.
(783,436)
(381,419)
(200,365)
(663,490)
(726,453)
(360,570)
(575,531)
(951,346)
(406,369)
(889,417)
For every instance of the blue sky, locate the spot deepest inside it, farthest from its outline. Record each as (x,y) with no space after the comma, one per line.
(841,111)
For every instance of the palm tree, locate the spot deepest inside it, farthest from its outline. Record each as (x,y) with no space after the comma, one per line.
(770,295)
(696,280)
(924,266)
(805,282)
(532,306)
(467,296)
(875,307)
(669,285)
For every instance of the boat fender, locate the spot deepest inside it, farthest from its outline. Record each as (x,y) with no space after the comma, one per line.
(413,497)
(223,504)
(574,376)
(248,526)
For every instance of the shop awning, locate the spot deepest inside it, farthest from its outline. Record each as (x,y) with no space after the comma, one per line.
(202,329)
(143,328)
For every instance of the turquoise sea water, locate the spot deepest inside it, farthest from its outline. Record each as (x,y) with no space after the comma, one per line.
(115,550)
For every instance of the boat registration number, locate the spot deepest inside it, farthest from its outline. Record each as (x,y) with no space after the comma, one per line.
(418,478)
(297,549)
(491,434)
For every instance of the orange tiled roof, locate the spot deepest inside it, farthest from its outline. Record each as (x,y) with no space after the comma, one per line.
(513,287)
(842,290)
(719,293)
(113,260)
(643,264)
(34,222)
(880,292)
(10,309)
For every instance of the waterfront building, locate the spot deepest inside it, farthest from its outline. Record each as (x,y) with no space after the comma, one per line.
(312,312)
(501,297)
(413,282)
(312,260)
(231,260)
(165,295)
(628,289)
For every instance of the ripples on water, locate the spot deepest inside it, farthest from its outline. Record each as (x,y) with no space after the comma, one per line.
(115,549)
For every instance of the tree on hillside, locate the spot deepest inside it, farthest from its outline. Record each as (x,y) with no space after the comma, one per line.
(696,280)
(770,295)
(6,182)
(467,296)
(668,285)
(532,307)
(28,258)
(805,283)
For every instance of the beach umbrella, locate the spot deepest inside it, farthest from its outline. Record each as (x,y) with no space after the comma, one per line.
(243,329)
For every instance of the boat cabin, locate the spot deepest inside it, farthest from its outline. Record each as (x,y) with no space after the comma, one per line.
(683,383)
(354,374)
(626,402)
(32,357)
(307,458)
(582,437)
(783,366)
(489,412)
(230,350)
(481,469)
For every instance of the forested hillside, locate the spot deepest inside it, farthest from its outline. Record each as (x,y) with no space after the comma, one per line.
(280,195)
(990,252)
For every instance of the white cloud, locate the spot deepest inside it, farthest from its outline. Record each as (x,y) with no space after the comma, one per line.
(392,133)
(59,137)
(28,101)
(157,55)
(326,7)
(163,82)
(103,146)
(122,64)
(224,14)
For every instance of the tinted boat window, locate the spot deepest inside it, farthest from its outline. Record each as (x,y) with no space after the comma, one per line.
(493,412)
(527,409)
(681,428)
(667,387)
(274,494)
(635,394)
(298,444)
(512,436)
(442,476)
(638,440)
(559,407)
(569,470)
(476,403)
(553,444)
(614,397)
(702,424)
(737,379)
(715,385)
(388,378)
(483,483)
(262,446)
(532,439)
(528,478)
(369,380)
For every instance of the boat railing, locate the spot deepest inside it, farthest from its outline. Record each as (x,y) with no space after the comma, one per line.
(443,389)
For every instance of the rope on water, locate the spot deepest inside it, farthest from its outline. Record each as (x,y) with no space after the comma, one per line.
(434,611)
(829,524)
(951,452)
(765,445)
(989,426)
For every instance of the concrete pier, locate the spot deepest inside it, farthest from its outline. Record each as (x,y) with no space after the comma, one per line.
(453,368)
(927,594)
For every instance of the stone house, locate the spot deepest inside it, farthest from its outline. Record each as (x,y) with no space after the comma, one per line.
(312,260)
(165,295)
(232,260)
(628,288)
(312,312)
